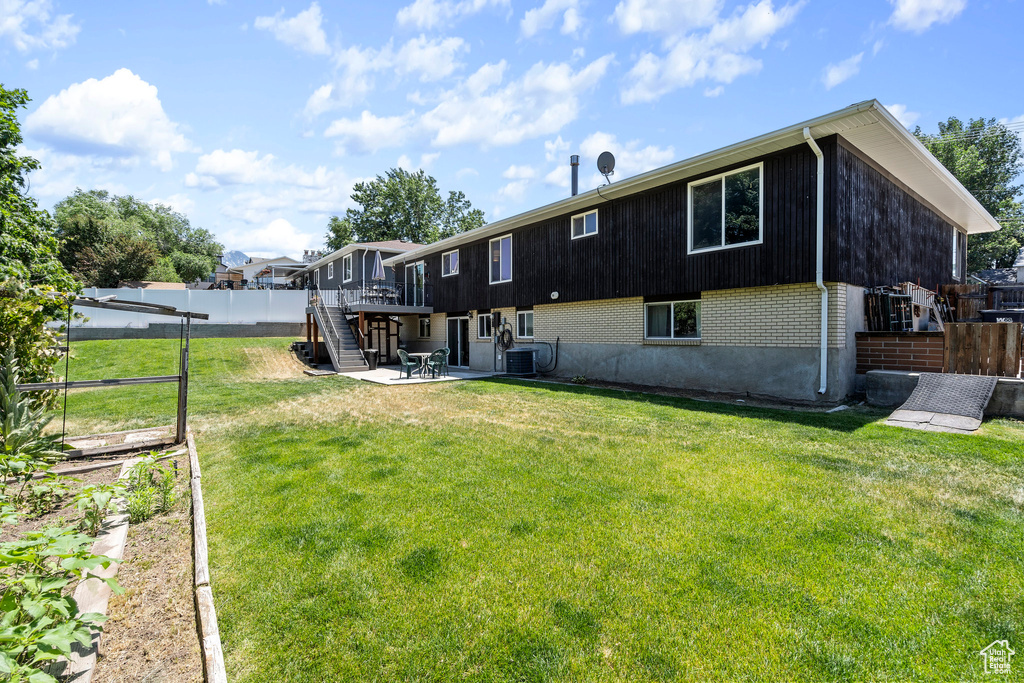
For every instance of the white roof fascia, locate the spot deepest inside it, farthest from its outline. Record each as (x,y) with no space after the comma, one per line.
(861,114)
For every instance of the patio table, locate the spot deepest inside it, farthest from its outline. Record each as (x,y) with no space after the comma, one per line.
(421,358)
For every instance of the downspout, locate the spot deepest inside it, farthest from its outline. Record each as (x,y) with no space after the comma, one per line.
(819,266)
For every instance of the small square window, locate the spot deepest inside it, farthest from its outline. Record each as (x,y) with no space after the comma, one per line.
(424,328)
(450,263)
(483,326)
(584,224)
(524,324)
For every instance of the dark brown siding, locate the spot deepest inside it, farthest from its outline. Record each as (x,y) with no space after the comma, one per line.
(640,248)
(886,235)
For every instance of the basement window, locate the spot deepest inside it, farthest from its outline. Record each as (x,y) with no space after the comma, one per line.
(584,224)
(725,210)
(672,320)
(424,328)
(524,324)
(483,326)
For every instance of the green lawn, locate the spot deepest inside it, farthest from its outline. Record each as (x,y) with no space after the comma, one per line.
(510,531)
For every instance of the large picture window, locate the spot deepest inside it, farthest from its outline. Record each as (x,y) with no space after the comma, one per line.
(725,211)
(450,263)
(501,259)
(672,320)
(346,268)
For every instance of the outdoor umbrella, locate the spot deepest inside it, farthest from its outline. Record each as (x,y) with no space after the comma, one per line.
(378,268)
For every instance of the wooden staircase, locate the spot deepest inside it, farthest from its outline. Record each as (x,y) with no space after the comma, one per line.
(342,346)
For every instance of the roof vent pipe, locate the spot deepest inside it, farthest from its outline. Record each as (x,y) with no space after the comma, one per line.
(574,162)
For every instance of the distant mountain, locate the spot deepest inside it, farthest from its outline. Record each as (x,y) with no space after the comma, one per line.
(234,258)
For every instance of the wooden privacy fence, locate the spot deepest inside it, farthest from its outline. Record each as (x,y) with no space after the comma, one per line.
(982,349)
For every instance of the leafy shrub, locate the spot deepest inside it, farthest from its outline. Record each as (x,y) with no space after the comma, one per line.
(94,502)
(41,620)
(579,379)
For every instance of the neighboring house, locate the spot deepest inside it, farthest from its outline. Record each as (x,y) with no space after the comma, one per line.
(267,272)
(997,276)
(345,277)
(739,270)
(1019,266)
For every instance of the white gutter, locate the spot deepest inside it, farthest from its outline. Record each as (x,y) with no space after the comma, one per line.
(819,256)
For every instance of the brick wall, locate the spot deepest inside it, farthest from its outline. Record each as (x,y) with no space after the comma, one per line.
(783,315)
(907,351)
(606,321)
(780,316)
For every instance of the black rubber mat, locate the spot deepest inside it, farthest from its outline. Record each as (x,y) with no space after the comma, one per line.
(950,394)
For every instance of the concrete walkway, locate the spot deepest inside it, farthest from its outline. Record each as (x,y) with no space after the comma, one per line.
(392,377)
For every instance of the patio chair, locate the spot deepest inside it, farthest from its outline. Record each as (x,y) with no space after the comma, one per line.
(438,362)
(406,365)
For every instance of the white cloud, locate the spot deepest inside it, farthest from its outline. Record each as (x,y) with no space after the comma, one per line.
(430,14)
(544,17)
(276,237)
(559,176)
(519,172)
(59,174)
(630,157)
(221,168)
(665,16)
(716,54)
(919,15)
(481,110)
(835,74)
(29,25)
(118,116)
(404,162)
(905,117)
(302,32)
(427,58)
(369,133)
(181,203)
(556,150)
(32,64)
(714,92)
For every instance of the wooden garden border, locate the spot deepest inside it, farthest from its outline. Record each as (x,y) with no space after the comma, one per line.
(206,616)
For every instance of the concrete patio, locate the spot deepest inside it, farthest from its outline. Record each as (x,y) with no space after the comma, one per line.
(391,376)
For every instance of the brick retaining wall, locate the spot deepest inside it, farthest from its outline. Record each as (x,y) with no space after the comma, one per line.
(907,351)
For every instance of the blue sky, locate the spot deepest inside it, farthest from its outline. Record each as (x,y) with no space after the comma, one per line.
(256,118)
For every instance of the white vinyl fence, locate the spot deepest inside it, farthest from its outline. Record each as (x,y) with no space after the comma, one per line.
(223,306)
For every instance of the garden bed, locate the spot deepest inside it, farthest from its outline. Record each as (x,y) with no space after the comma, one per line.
(150,633)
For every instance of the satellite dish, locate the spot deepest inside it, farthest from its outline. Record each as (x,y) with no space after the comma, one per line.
(606,165)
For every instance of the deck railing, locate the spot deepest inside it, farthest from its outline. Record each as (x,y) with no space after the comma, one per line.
(374,292)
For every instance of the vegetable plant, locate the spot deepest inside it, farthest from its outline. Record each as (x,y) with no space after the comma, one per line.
(41,620)
(94,502)
(48,493)
(140,504)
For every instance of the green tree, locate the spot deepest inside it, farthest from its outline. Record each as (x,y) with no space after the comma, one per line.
(339,233)
(96,223)
(163,271)
(124,257)
(985,156)
(34,285)
(403,205)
